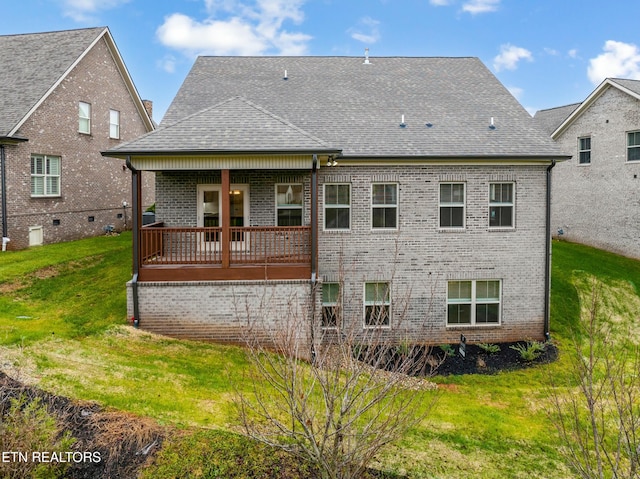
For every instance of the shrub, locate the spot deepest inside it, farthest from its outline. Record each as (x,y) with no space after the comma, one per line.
(529,351)
(489,348)
(448,350)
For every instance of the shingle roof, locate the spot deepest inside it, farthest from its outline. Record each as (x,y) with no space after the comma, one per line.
(223,128)
(31,64)
(633,85)
(358,107)
(552,118)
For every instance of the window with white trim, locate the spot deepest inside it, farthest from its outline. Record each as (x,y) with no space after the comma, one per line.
(289,199)
(337,206)
(84,117)
(114,124)
(377,305)
(452,205)
(330,298)
(474,302)
(633,146)
(584,150)
(384,206)
(501,210)
(45,175)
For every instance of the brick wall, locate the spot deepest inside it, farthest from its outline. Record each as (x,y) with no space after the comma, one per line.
(418,259)
(226,312)
(599,204)
(91,185)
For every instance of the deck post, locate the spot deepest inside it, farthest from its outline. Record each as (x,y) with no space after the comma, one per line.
(225,216)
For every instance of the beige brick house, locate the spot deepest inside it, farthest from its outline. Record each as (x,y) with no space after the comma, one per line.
(596,195)
(64,97)
(409,193)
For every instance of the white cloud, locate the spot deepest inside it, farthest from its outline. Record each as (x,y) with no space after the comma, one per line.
(619,59)
(85,11)
(516,91)
(509,57)
(236,28)
(573,53)
(440,3)
(480,6)
(372,34)
(167,63)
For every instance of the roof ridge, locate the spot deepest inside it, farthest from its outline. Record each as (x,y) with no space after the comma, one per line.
(283,121)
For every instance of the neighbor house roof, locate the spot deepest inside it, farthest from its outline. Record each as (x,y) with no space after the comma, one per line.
(448,105)
(33,65)
(630,87)
(552,118)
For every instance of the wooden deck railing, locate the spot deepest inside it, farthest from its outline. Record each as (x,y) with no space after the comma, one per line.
(251,245)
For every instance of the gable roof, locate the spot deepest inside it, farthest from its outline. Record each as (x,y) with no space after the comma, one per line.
(447,104)
(222,128)
(630,87)
(33,65)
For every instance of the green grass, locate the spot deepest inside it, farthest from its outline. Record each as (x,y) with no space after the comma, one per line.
(65,290)
(62,324)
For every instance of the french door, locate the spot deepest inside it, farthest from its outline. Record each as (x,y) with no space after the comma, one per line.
(210,215)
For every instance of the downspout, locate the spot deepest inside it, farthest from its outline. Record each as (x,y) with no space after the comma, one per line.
(3,173)
(136,241)
(547,253)
(314,248)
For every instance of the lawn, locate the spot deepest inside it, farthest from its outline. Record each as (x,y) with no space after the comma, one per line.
(63,326)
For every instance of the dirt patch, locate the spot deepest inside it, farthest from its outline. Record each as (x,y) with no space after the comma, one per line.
(119,443)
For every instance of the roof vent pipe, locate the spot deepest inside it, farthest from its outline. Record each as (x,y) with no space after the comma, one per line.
(366,57)
(285,77)
(492,125)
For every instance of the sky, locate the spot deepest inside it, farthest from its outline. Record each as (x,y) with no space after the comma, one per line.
(548,53)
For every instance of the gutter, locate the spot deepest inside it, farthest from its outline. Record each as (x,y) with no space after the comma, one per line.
(3,174)
(136,242)
(314,249)
(547,253)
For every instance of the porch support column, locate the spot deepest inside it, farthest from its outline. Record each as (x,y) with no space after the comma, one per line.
(136,216)
(225,217)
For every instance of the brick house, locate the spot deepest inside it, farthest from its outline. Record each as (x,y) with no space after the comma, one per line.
(409,193)
(64,97)
(596,195)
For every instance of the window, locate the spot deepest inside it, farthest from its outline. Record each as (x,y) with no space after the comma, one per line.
(45,175)
(114,124)
(330,295)
(452,205)
(633,146)
(289,205)
(584,150)
(501,205)
(377,305)
(84,117)
(473,302)
(384,206)
(337,206)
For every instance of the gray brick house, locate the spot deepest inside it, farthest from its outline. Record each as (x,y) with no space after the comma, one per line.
(64,97)
(409,193)
(596,195)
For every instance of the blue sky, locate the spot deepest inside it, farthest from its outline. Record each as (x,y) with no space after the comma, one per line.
(546,52)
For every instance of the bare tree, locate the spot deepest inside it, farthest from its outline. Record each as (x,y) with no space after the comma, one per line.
(355,394)
(598,416)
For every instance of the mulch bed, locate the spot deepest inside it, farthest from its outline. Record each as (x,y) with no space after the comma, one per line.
(123,442)
(478,361)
